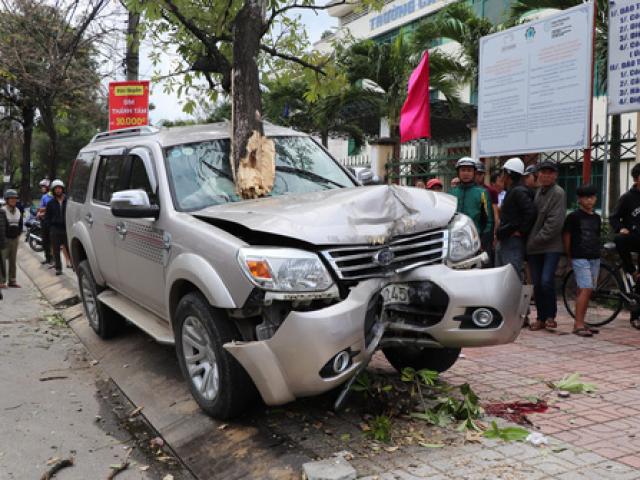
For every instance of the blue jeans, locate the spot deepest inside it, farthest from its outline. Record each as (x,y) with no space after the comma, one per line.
(543,273)
(511,251)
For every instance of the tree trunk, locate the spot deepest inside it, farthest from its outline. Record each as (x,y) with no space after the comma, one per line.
(48,122)
(28,115)
(252,154)
(324,136)
(132,58)
(614,161)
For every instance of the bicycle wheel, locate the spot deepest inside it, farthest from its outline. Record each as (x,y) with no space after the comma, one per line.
(606,301)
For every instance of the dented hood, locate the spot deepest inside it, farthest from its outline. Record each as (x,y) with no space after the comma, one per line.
(358,215)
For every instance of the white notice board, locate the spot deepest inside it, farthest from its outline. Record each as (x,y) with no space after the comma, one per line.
(534,88)
(623,80)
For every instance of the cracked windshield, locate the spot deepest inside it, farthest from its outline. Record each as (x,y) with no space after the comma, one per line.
(200,173)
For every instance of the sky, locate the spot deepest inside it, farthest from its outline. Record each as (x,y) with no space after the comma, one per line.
(168,106)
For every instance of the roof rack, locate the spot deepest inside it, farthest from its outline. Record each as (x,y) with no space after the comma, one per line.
(124,133)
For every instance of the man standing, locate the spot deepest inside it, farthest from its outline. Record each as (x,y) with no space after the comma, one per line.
(10,251)
(517,215)
(544,246)
(492,194)
(625,221)
(44,228)
(55,217)
(473,200)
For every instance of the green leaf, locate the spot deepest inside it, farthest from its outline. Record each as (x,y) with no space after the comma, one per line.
(508,434)
(571,383)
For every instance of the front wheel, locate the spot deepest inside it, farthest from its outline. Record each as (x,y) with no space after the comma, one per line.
(217,381)
(437,359)
(606,300)
(104,321)
(35,245)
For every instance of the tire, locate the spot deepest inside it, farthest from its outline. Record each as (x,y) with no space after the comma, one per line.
(104,321)
(35,245)
(606,301)
(218,383)
(438,359)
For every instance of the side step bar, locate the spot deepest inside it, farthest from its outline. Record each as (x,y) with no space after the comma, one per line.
(146,321)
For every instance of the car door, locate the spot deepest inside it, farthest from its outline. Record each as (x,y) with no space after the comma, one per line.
(140,242)
(111,176)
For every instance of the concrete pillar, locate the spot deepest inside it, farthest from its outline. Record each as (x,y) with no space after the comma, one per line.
(381,152)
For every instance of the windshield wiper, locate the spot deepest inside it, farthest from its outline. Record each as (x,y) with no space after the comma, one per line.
(216,169)
(308,174)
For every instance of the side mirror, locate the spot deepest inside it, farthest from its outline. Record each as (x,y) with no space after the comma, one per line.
(365,176)
(133,204)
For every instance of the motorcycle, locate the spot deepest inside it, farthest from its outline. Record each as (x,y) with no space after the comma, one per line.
(34,233)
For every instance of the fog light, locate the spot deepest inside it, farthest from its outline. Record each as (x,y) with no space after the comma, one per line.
(341,361)
(482,317)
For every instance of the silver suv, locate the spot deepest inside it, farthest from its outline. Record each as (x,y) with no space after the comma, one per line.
(285,296)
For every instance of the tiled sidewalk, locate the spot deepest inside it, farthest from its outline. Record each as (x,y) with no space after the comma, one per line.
(607,422)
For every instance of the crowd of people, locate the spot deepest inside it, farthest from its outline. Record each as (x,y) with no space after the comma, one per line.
(520,215)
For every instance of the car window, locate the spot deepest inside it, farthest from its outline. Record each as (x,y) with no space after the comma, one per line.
(79,178)
(139,179)
(200,173)
(112,177)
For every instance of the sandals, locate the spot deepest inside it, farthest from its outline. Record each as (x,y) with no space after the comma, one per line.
(537,325)
(550,324)
(582,332)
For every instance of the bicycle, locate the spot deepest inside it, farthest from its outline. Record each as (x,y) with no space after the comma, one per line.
(615,289)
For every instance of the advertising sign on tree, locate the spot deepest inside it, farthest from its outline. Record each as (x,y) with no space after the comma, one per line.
(128,104)
(534,89)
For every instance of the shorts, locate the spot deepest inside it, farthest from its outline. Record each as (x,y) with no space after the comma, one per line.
(586,272)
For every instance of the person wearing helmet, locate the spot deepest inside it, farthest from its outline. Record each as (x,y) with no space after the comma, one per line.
(56,219)
(517,216)
(473,200)
(435,185)
(13,228)
(531,179)
(544,244)
(46,197)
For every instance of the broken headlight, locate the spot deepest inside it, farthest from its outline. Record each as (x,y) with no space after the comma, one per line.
(284,269)
(464,241)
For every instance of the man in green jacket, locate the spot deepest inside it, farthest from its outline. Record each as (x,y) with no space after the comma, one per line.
(473,200)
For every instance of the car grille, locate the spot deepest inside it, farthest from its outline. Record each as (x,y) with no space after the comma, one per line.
(366,261)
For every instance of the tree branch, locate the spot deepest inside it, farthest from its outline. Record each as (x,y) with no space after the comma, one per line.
(291,58)
(275,12)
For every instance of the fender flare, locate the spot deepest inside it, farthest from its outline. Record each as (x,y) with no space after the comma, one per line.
(80,233)
(196,270)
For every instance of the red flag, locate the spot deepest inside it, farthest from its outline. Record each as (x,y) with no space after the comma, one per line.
(415,121)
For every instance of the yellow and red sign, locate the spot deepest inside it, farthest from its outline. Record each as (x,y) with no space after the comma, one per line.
(128,104)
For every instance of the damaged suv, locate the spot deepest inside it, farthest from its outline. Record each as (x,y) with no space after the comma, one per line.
(288,295)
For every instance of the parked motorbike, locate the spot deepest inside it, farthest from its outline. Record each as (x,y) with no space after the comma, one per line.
(34,233)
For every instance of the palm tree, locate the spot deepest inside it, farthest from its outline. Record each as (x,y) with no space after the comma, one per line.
(523,8)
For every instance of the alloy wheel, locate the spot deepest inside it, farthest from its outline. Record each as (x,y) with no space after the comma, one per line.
(200,358)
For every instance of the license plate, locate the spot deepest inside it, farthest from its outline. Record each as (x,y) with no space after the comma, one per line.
(395,293)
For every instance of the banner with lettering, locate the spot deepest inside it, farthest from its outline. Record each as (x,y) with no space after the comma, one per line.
(128,104)
(623,89)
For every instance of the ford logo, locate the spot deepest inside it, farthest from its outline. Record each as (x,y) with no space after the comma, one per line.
(384,257)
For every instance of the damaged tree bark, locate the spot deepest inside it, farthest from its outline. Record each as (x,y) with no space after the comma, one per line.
(252,154)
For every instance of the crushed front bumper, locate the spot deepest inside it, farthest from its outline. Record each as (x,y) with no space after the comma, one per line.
(288,365)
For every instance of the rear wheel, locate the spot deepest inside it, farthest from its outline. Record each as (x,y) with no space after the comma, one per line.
(606,301)
(437,359)
(35,245)
(218,383)
(104,321)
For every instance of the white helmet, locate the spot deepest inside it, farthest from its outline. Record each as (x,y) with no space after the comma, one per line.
(466,162)
(57,183)
(44,183)
(514,165)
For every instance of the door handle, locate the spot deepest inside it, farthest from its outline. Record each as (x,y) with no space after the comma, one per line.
(89,218)
(121,229)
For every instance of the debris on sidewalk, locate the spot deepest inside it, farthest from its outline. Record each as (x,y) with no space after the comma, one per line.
(54,377)
(336,468)
(136,412)
(537,439)
(516,412)
(572,384)
(507,434)
(116,469)
(56,465)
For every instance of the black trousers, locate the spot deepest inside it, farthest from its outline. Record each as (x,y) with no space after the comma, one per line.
(58,239)
(625,245)
(46,242)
